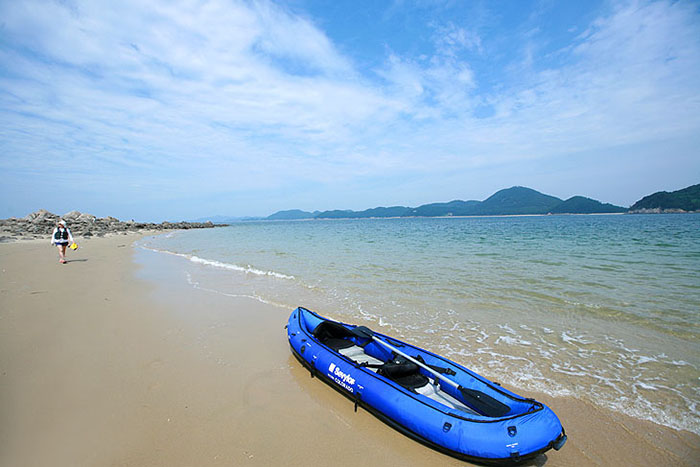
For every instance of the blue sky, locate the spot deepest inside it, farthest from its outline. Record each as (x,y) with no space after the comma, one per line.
(175,110)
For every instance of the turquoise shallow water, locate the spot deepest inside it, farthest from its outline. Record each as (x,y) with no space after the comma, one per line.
(604,308)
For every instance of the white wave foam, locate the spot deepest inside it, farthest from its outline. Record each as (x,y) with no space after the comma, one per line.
(574,339)
(507,328)
(511,341)
(644,385)
(643,359)
(195,284)
(221,265)
(568,371)
(368,316)
(234,267)
(680,363)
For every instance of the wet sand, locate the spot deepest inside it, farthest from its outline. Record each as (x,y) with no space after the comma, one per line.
(115,359)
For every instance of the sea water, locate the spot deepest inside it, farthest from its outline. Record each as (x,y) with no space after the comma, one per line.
(600,307)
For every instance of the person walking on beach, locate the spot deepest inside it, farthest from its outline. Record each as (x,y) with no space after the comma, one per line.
(61,237)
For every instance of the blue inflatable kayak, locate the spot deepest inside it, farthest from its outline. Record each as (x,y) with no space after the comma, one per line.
(425,396)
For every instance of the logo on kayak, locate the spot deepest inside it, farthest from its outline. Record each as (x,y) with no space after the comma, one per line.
(343,379)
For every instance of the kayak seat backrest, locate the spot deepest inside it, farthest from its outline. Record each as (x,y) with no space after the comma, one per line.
(412,381)
(334,335)
(403,372)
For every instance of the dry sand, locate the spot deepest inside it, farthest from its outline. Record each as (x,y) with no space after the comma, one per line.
(114,359)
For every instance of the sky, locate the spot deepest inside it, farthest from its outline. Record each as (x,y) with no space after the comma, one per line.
(172,110)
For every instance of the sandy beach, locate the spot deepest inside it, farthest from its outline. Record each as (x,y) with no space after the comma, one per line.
(115,359)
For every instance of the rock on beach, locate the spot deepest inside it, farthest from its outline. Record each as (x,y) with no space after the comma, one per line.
(41,223)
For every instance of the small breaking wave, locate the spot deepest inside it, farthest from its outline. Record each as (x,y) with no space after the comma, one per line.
(221,265)
(569,339)
(234,267)
(195,284)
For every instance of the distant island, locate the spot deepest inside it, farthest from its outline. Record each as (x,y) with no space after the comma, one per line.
(516,200)
(685,200)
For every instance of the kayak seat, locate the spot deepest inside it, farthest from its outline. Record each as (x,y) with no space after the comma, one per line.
(358,355)
(412,381)
(404,372)
(334,335)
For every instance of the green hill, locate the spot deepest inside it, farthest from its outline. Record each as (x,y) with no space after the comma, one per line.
(517,200)
(687,199)
(583,205)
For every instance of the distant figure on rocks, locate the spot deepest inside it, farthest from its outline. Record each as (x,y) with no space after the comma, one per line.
(61,237)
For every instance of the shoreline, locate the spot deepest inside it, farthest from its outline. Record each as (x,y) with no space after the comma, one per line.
(116,359)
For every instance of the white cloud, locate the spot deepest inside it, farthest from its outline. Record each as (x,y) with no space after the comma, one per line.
(632,77)
(298,39)
(164,74)
(451,40)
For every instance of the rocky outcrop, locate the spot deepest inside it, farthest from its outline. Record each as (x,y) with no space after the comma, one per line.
(41,223)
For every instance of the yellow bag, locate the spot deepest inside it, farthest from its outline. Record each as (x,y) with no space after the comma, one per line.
(74,246)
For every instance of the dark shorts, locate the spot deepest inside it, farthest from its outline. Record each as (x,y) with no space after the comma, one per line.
(62,243)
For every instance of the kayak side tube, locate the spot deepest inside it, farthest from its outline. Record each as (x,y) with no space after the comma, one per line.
(528,429)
